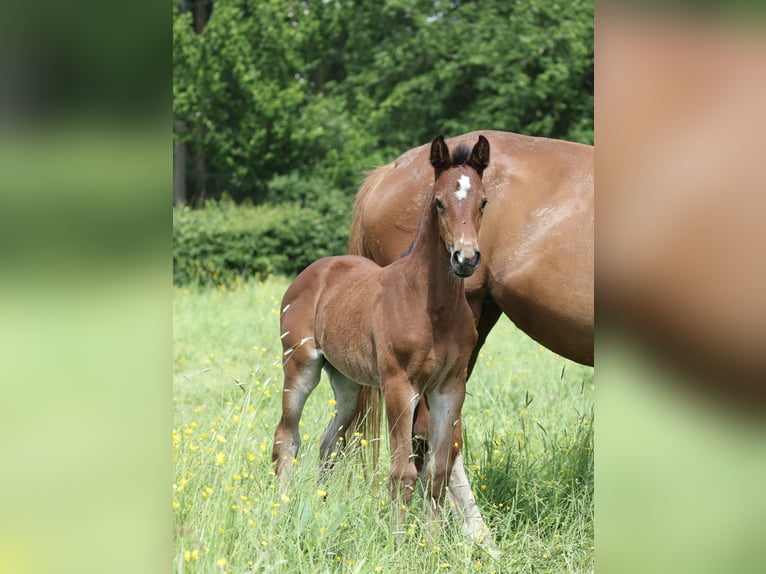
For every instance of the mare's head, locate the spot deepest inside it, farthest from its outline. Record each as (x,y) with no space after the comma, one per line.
(460,198)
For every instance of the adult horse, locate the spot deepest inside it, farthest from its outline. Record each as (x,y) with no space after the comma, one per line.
(536,241)
(405,328)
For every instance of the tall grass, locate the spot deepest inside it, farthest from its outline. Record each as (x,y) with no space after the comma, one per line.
(528,424)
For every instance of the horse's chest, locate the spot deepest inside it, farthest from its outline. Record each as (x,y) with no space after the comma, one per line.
(446,357)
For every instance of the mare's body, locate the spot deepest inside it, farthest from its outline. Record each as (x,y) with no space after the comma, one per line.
(537,243)
(537,240)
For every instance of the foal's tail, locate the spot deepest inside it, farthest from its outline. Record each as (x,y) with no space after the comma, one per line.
(368,408)
(367,421)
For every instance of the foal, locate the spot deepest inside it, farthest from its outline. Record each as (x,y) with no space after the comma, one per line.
(406,328)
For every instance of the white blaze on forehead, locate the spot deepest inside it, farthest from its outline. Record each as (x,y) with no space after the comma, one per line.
(464,186)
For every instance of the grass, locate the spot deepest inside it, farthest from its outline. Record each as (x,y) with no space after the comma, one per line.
(528,424)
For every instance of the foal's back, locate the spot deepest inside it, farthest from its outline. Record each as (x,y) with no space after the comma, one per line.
(334,303)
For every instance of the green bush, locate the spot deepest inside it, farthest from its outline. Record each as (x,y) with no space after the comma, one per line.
(225,243)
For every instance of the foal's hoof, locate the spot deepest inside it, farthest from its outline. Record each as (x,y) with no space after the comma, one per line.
(486,543)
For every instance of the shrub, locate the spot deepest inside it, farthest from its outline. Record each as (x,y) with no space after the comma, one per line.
(225,243)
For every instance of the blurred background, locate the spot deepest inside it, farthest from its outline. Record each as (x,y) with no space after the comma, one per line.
(85,299)
(681,273)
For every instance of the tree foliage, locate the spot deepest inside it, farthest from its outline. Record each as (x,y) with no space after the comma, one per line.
(292,100)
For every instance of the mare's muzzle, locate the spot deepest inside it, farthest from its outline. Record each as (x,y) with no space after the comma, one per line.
(465,261)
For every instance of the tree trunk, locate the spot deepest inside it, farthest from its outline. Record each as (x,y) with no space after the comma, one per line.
(179,167)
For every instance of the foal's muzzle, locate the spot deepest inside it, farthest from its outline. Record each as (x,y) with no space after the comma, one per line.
(465,261)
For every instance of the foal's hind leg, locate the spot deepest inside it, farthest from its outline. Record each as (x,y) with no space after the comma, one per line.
(346,393)
(302,366)
(420,435)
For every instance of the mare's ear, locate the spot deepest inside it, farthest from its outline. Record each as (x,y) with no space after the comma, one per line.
(440,159)
(479,159)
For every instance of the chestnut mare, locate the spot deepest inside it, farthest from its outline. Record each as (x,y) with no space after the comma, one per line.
(405,328)
(537,244)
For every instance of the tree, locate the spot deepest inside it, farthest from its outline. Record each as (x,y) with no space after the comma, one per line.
(291,100)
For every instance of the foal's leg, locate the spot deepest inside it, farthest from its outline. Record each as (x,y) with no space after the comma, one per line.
(400,401)
(420,434)
(302,367)
(346,393)
(465,505)
(445,406)
(459,490)
(460,493)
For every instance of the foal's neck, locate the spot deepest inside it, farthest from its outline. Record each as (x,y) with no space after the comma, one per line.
(428,265)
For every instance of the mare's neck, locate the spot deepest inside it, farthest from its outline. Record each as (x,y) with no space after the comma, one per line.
(428,265)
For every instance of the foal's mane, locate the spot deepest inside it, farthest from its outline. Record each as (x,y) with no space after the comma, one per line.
(460,154)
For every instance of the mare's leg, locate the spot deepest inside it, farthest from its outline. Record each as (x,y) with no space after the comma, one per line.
(302,367)
(346,393)
(400,399)
(488,314)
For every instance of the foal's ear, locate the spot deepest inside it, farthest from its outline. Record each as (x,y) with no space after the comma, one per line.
(479,159)
(440,159)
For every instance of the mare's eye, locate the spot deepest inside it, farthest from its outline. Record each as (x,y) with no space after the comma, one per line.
(483,203)
(439,204)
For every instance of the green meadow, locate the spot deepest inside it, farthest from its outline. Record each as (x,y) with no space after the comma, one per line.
(528,425)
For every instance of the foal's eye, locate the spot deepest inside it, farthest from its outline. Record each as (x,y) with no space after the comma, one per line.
(483,203)
(439,204)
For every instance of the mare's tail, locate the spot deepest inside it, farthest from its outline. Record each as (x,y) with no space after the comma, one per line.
(357,239)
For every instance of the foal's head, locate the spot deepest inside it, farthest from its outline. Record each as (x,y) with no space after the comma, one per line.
(460,198)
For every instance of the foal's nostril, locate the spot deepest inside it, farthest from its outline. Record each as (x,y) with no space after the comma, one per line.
(459,259)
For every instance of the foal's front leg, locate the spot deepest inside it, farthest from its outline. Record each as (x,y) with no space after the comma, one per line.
(459,492)
(445,404)
(400,400)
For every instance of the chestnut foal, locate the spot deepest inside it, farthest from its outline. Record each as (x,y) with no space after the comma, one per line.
(405,328)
